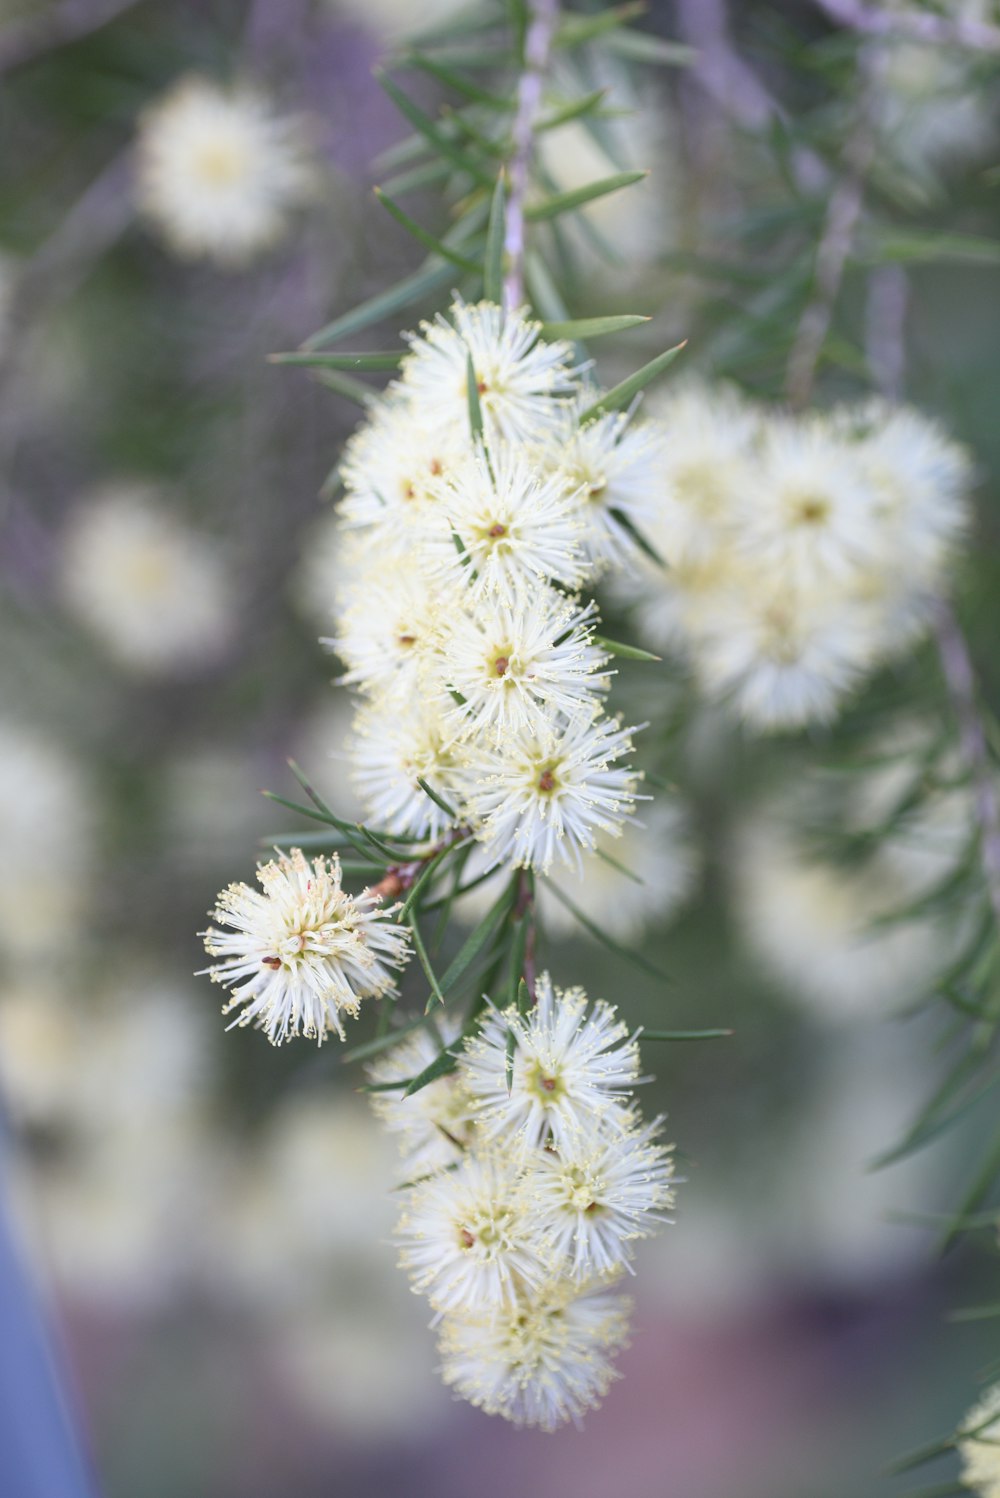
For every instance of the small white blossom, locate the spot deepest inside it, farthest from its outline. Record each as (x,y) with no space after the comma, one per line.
(466,1239)
(433,1124)
(540,1363)
(386,631)
(391,468)
(613,470)
(156,594)
(522,381)
(303,953)
(393,749)
(599,1192)
(219,171)
(808,514)
(546,796)
(517,664)
(505,529)
(573,1065)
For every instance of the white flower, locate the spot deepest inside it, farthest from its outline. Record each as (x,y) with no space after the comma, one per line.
(433,1125)
(784,655)
(543,796)
(522,381)
(810,923)
(219,171)
(808,513)
(466,1239)
(572,1066)
(597,1193)
(304,952)
(540,1363)
(515,530)
(614,470)
(395,747)
(47,850)
(391,467)
(156,594)
(921,481)
(517,664)
(386,630)
(979,1445)
(710,437)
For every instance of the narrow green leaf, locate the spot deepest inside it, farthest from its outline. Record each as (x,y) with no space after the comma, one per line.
(390,359)
(453,79)
(472,391)
(429,174)
(545,295)
(641,46)
(686,1034)
(606,857)
(574,110)
(627,652)
(983,1183)
(425,963)
(421,883)
(581,328)
(579,29)
(421,235)
(636,958)
(510,1048)
(438,799)
(439,1067)
(438,138)
(921,1455)
(920,246)
(975,1313)
(381,1043)
(403,294)
(623,394)
(578,197)
(345,385)
(478,938)
(332,821)
(493,264)
(641,540)
(463,889)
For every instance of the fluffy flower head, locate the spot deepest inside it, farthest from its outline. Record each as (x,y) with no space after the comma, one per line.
(302,953)
(219,171)
(572,1066)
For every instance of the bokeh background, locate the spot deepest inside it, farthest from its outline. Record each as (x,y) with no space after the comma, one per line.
(204,1220)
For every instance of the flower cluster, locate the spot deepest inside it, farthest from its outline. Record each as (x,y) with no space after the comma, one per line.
(530,1176)
(458,618)
(303,953)
(802,552)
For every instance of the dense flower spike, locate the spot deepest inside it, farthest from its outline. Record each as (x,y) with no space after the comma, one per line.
(302,954)
(219,172)
(540,1176)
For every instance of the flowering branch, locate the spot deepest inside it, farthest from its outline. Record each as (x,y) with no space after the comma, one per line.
(914,26)
(544,16)
(835,245)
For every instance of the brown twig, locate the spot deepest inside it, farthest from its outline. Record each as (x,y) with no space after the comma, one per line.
(836,242)
(914,26)
(542,23)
